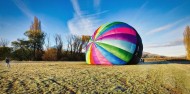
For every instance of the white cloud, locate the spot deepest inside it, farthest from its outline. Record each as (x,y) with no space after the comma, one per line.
(23,8)
(166,27)
(80,24)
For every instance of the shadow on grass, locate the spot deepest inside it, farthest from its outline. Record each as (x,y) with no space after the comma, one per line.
(166,62)
(146,63)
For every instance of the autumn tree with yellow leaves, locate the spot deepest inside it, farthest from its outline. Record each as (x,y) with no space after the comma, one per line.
(36,38)
(187,41)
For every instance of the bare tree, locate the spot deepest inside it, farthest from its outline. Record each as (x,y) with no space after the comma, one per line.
(48,42)
(58,45)
(75,44)
(187,41)
(4,42)
(69,43)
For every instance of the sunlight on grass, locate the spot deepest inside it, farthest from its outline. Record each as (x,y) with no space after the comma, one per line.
(70,77)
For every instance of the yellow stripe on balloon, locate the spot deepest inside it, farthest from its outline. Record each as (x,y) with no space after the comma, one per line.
(88,55)
(100,30)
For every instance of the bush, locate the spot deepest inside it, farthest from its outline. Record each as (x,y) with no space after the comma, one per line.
(21,54)
(50,55)
(5,52)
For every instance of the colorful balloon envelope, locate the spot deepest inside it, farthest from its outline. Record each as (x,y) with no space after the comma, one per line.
(115,43)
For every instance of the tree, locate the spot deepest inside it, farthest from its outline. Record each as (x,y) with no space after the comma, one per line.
(69,43)
(85,40)
(58,46)
(3,42)
(75,44)
(5,52)
(36,38)
(48,42)
(22,50)
(187,41)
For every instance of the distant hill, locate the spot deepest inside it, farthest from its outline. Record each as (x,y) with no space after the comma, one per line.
(150,55)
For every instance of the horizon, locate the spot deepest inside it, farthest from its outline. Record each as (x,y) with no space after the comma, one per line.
(159,23)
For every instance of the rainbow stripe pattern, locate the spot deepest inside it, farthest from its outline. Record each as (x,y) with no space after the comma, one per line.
(112,44)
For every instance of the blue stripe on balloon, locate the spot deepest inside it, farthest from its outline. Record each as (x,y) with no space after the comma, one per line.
(127,46)
(118,25)
(110,57)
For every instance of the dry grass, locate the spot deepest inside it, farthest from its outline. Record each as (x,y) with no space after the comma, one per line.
(71,77)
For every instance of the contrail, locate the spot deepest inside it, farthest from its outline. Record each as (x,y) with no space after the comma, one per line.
(20,4)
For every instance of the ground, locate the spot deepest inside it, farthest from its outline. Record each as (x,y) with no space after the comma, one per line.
(78,77)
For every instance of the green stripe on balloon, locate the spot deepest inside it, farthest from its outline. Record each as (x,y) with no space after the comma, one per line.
(125,45)
(120,53)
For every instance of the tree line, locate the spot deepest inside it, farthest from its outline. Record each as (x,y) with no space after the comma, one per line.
(33,48)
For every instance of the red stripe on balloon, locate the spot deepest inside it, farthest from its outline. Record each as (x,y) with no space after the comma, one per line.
(95,55)
(91,55)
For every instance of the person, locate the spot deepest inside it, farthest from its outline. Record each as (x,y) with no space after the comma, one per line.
(142,60)
(7,61)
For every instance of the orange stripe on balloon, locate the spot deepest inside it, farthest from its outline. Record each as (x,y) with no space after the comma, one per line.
(91,57)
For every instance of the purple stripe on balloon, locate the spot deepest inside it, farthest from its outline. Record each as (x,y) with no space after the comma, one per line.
(94,55)
(125,37)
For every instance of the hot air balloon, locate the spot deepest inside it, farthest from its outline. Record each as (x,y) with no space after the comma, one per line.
(115,43)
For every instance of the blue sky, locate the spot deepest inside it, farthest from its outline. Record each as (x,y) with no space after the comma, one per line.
(160,23)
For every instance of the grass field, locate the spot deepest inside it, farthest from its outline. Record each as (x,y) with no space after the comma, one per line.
(72,77)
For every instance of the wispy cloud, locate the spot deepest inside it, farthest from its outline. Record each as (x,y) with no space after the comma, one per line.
(175,9)
(26,11)
(20,4)
(140,11)
(97,4)
(76,7)
(80,24)
(177,42)
(97,14)
(166,27)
